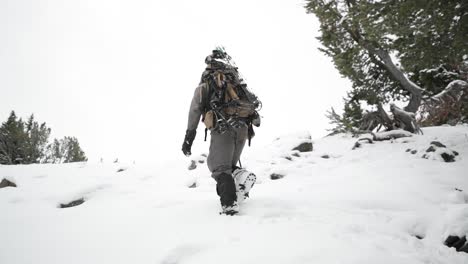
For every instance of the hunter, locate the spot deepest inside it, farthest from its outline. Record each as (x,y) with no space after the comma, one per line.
(228,109)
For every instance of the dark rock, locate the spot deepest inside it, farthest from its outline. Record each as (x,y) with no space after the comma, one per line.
(458,190)
(72,203)
(455,153)
(448,157)
(438,144)
(204,155)
(296,155)
(451,240)
(288,158)
(357,145)
(194,185)
(424,156)
(201,161)
(121,169)
(464,248)
(304,147)
(431,149)
(459,244)
(193,165)
(414,152)
(6,183)
(418,237)
(276,176)
(325,156)
(408,150)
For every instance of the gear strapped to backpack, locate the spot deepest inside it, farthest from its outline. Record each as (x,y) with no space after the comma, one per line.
(227,101)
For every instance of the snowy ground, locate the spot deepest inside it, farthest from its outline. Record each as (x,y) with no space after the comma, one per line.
(358,206)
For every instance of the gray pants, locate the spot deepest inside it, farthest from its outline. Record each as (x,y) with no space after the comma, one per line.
(225,150)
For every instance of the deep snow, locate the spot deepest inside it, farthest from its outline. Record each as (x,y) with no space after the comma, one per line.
(357,206)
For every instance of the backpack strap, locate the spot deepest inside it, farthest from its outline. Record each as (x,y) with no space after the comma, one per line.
(206,96)
(205,100)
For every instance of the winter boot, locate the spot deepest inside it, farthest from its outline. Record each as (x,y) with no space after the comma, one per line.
(226,189)
(244,180)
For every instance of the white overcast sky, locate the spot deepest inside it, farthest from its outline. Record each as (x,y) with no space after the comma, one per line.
(119,75)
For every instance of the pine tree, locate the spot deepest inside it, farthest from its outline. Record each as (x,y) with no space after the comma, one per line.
(430,37)
(53,153)
(65,150)
(26,143)
(365,37)
(13,141)
(73,151)
(38,136)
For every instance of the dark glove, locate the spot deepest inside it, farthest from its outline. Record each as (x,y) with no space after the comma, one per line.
(187,145)
(256,119)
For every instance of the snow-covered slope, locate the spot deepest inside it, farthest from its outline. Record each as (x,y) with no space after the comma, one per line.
(333,205)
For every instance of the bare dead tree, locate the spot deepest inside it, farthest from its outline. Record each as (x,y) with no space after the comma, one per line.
(376,119)
(404,120)
(387,135)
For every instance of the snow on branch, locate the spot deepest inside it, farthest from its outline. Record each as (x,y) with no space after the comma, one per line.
(454,89)
(392,134)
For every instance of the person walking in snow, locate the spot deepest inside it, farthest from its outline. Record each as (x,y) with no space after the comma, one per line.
(228,109)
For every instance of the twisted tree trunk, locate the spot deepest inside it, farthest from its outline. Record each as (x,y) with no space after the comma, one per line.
(387,62)
(455,92)
(407,84)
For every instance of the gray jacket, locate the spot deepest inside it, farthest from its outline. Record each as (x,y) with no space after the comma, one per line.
(196,107)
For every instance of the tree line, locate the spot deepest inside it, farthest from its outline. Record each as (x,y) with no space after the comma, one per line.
(410,52)
(27,142)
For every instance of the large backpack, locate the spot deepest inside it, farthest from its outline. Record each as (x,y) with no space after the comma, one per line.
(226,100)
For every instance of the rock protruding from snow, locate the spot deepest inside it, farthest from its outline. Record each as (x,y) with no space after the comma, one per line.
(439,151)
(193,165)
(6,183)
(438,144)
(300,141)
(448,157)
(304,147)
(197,160)
(459,243)
(296,154)
(276,176)
(72,203)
